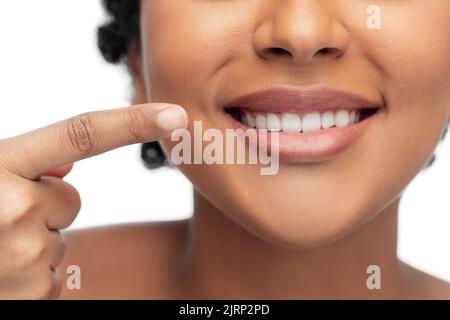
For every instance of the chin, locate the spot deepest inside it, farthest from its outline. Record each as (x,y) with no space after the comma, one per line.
(291,223)
(298,235)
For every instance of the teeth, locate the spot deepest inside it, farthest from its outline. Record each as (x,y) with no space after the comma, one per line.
(261,122)
(292,122)
(311,122)
(352,116)
(250,120)
(327,119)
(273,122)
(342,118)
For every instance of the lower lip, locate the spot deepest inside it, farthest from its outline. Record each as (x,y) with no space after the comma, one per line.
(315,146)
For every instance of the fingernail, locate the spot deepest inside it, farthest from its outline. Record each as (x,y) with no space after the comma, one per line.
(171,118)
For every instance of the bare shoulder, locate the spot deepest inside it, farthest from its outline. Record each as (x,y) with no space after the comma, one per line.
(421,285)
(123,261)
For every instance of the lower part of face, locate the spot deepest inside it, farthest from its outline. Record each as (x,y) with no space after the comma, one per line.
(200,54)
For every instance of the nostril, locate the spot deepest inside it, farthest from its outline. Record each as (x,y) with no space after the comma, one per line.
(327,51)
(278,51)
(334,52)
(324,51)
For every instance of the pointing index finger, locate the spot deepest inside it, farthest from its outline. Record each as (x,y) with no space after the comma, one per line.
(88,134)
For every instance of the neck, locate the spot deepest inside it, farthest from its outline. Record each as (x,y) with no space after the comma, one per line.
(223,260)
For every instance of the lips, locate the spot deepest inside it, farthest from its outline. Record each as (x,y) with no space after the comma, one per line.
(313,125)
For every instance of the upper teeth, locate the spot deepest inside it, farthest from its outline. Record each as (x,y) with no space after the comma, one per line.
(292,122)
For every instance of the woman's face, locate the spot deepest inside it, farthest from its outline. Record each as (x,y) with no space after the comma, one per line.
(202,54)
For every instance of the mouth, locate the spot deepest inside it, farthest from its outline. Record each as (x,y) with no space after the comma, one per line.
(289,122)
(313,126)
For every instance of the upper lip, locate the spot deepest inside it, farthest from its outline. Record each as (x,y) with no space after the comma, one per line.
(295,100)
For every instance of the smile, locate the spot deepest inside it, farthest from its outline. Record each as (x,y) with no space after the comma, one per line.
(296,123)
(313,125)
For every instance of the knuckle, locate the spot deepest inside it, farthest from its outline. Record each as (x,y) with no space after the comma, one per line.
(136,124)
(73,205)
(26,205)
(80,132)
(40,251)
(17,202)
(24,255)
(29,251)
(59,255)
(37,253)
(75,199)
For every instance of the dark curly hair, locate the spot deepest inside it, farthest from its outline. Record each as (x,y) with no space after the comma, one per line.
(114,38)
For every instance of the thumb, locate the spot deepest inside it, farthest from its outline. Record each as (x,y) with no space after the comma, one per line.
(59,172)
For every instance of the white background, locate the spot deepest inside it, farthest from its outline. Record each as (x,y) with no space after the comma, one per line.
(50,70)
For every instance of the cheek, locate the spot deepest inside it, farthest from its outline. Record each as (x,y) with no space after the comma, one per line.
(411,51)
(411,54)
(185,45)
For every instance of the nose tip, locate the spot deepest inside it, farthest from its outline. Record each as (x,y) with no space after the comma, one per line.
(302,34)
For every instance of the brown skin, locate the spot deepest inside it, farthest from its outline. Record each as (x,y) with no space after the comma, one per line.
(233,248)
(36,203)
(149,262)
(309,231)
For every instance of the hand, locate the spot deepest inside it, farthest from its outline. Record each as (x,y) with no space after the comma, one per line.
(35,202)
